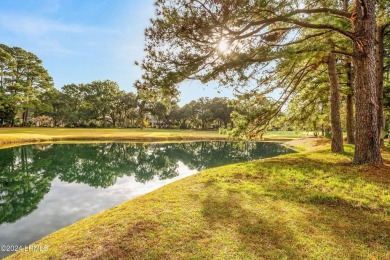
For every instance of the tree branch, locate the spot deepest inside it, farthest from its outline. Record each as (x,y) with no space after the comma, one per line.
(295,12)
(322,26)
(299,41)
(344,53)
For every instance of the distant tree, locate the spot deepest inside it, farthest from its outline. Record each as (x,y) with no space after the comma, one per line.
(47,101)
(71,107)
(7,100)
(23,81)
(7,109)
(100,98)
(158,110)
(189,111)
(174,116)
(7,68)
(180,116)
(92,104)
(201,113)
(123,109)
(29,80)
(221,111)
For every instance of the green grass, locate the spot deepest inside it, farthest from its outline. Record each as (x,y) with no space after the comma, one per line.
(15,136)
(9,136)
(287,135)
(308,205)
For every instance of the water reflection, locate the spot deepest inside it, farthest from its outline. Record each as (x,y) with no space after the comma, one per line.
(26,172)
(48,186)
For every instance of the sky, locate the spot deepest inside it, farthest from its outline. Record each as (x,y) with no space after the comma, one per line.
(84,40)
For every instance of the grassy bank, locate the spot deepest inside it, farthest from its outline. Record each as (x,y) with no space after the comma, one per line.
(312,204)
(14,136)
(9,136)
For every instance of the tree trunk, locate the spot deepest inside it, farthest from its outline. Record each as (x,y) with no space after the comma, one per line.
(113,120)
(337,134)
(315,129)
(349,98)
(25,117)
(345,5)
(379,76)
(367,148)
(225,122)
(349,120)
(104,121)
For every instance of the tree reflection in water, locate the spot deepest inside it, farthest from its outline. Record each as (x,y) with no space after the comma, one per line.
(26,172)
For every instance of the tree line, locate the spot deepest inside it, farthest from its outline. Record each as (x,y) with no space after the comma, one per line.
(28,97)
(103,104)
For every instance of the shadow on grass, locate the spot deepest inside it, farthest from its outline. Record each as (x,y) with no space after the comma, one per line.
(257,234)
(285,227)
(344,207)
(339,165)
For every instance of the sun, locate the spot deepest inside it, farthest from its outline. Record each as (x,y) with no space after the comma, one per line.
(223,46)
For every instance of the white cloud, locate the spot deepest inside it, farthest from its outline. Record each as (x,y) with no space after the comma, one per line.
(50,37)
(35,26)
(38,26)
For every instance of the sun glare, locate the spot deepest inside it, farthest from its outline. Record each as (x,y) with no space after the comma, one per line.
(223,46)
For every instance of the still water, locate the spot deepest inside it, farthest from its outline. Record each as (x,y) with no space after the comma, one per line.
(45,187)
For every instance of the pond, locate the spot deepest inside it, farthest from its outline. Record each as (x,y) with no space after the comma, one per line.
(45,187)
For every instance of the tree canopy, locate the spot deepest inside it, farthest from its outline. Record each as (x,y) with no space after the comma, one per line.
(271,45)
(24,84)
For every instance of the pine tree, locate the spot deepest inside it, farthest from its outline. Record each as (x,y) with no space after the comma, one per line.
(231,41)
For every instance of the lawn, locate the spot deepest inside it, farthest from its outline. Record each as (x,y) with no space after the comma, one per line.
(12,136)
(308,205)
(29,135)
(286,135)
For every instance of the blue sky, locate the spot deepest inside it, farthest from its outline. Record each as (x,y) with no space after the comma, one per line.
(84,40)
